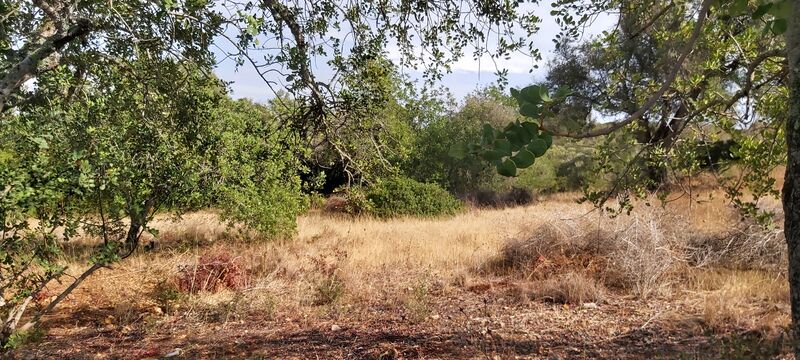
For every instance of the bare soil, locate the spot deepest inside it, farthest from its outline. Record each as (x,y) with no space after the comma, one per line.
(464,324)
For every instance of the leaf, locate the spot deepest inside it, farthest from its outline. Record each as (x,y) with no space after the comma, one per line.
(515,139)
(762,10)
(538,147)
(524,158)
(563,92)
(530,110)
(459,150)
(544,95)
(514,93)
(507,168)
(503,146)
(491,155)
(548,139)
(781,10)
(531,128)
(488,134)
(42,143)
(532,94)
(777,27)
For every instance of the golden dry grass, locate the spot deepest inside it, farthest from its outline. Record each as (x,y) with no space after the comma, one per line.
(347,261)
(754,300)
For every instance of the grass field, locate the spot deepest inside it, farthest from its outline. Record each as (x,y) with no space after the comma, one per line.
(551,280)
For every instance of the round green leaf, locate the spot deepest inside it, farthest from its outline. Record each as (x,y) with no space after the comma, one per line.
(507,168)
(544,95)
(503,146)
(548,139)
(524,158)
(530,110)
(515,139)
(491,155)
(538,147)
(532,94)
(531,128)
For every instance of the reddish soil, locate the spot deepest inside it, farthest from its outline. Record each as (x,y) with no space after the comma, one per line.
(463,324)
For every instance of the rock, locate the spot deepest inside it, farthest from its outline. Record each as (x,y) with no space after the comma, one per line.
(174,353)
(435,317)
(590,305)
(335,327)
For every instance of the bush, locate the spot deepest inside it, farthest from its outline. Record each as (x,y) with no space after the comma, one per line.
(487,198)
(400,196)
(214,271)
(640,253)
(569,288)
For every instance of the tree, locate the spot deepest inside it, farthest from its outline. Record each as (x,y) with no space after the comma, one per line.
(102,166)
(147,137)
(432,162)
(511,147)
(41,35)
(614,75)
(791,187)
(96,95)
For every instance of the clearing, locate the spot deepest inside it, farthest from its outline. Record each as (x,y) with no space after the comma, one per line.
(553,280)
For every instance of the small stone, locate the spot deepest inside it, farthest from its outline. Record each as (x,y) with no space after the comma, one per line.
(590,305)
(335,327)
(174,353)
(435,317)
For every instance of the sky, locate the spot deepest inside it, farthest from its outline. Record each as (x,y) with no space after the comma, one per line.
(467,74)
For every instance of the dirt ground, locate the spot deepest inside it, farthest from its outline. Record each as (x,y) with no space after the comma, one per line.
(484,323)
(429,289)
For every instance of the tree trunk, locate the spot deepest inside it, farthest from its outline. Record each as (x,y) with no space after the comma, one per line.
(791,187)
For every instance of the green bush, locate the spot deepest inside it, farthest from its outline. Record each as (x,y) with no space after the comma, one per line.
(399,196)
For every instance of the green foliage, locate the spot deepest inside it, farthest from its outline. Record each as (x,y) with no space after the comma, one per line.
(565,167)
(518,144)
(435,144)
(399,196)
(20,338)
(256,165)
(145,136)
(371,137)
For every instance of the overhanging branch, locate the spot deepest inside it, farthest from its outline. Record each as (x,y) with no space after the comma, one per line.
(653,99)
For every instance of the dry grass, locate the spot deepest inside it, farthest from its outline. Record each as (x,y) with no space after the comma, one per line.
(558,251)
(637,253)
(566,288)
(731,300)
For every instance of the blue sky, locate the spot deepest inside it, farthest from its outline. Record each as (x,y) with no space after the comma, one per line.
(468,74)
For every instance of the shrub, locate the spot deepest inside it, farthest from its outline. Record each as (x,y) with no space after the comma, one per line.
(330,285)
(485,198)
(488,198)
(215,270)
(398,196)
(637,253)
(570,288)
(166,294)
(517,196)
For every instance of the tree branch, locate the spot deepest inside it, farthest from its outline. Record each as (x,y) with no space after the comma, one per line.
(29,66)
(688,48)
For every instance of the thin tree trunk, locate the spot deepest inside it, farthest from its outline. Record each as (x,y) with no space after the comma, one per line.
(791,187)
